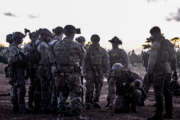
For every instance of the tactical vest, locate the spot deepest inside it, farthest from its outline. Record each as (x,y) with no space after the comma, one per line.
(67,55)
(163,56)
(34,55)
(96,56)
(116,56)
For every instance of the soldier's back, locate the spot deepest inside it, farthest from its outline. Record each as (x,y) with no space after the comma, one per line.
(67,52)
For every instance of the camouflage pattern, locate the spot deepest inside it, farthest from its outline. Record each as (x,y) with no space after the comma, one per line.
(68,56)
(133,58)
(17,79)
(96,66)
(34,88)
(53,71)
(126,86)
(44,70)
(118,56)
(162,61)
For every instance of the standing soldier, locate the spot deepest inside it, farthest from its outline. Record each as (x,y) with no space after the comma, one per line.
(81,40)
(117,55)
(95,68)
(16,70)
(162,62)
(44,68)
(58,36)
(33,56)
(68,56)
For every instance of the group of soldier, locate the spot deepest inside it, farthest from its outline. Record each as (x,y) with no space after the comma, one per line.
(57,67)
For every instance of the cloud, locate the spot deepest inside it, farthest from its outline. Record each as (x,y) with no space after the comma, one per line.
(9,14)
(154,0)
(174,16)
(32,16)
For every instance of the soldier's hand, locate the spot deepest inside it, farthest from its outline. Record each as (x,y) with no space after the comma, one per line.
(110,107)
(11,82)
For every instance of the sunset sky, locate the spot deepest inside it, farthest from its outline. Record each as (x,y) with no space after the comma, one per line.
(130,20)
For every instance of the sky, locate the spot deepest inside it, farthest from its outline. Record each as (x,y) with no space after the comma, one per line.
(130,20)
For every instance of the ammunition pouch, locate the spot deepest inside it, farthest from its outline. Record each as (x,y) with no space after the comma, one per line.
(96,69)
(69,69)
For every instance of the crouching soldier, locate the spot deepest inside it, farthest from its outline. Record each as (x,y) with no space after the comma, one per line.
(123,86)
(16,70)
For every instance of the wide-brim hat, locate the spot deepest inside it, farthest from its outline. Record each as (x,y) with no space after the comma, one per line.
(116,40)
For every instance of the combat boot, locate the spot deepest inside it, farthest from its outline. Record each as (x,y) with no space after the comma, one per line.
(15,109)
(96,105)
(22,109)
(88,106)
(60,117)
(168,116)
(156,117)
(79,118)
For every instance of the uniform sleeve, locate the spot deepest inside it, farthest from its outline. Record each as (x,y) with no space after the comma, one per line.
(111,90)
(86,61)
(125,58)
(106,62)
(44,51)
(27,50)
(13,55)
(153,56)
(173,57)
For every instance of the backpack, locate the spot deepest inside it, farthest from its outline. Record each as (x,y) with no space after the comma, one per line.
(66,53)
(34,55)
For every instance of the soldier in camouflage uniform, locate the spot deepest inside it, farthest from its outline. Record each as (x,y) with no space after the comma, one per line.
(16,70)
(30,51)
(58,36)
(117,55)
(161,64)
(44,68)
(124,86)
(81,40)
(68,56)
(96,66)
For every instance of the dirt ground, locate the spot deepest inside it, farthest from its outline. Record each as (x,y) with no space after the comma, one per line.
(102,114)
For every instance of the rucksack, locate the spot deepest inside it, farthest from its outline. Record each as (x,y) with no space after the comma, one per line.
(66,53)
(34,55)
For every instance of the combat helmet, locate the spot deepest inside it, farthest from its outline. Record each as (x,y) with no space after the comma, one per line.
(80,39)
(58,30)
(95,38)
(18,37)
(9,38)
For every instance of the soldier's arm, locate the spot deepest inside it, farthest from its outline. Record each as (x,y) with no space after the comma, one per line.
(13,55)
(86,61)
(125,58)
(106,62)
(44,51)
(111,90)
(173,59)
(153,56)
